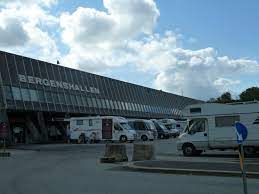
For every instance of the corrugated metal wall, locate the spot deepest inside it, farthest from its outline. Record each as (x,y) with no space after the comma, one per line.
(29,84)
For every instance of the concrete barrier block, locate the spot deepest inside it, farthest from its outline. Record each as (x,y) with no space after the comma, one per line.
(143,151)
(115,153)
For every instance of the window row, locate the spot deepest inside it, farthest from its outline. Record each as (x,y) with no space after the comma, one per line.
(15,93)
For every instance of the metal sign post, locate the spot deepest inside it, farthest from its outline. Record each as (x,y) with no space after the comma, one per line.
(242,167)
(242,133)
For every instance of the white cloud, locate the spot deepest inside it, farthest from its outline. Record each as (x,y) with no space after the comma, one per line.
(122,35)
(12,33)
(202,73)
(98,40)
(25,26)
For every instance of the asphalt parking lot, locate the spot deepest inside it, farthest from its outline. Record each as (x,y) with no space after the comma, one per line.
(65,168)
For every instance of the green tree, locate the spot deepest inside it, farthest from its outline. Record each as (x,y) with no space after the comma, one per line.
(250,94)
(226,97)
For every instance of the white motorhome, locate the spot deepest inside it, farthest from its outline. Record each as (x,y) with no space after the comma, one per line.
(211,126)
(101,128)
(170,124)
(145,129)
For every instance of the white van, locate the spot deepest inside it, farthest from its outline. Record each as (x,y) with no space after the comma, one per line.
(145,129)
(170,124)
(101,128)
(211,126)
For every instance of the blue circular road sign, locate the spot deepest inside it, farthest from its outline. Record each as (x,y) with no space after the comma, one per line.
(241,131)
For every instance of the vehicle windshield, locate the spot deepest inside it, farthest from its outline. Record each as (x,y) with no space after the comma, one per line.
(195,126)
(170,126)
(126,126)
(162,126)
(150,126)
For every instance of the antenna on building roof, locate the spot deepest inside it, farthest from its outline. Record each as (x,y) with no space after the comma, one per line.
(58,62)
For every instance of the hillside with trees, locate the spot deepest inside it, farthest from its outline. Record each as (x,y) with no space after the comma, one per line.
(250,94)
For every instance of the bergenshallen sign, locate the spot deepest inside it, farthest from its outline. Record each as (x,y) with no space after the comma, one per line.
(57,84)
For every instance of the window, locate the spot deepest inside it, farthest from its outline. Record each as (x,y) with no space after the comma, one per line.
(139,107)
(68,98)
(41,96)
(134,108)
(48,97)
(123,106)
(62,98)
(55,98)
(79,100)
(115,104)
(139,125)
(33,95)
(107,103)
(226,121)
(195,110)
(119,105)
(126,106)
(16,93)
(25,94)
(103,103)
(90,122)
(197,126)
(117,127)
(79,122)
(73,100)
(84,101)
(99,103)
(111,103)
(131,124)
(8,93)
(94,102)
(129,106)
(90,103)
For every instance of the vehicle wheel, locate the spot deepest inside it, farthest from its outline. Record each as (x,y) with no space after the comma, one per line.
(123,138)
(81,138)
(162,136)
(189,150)
(249,150)
(144,138)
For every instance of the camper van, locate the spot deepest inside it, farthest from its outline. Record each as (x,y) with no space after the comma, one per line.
(99,128)
(211,126)
(162,131)
(170,124)
(145,129)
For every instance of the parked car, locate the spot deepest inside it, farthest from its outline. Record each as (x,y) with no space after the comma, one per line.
(170,124)
(145,129)
(162,131)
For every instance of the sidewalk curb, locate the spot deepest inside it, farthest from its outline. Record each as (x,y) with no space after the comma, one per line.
(133,167)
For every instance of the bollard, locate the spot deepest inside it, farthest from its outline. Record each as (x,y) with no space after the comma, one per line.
(143,151)
(114,153)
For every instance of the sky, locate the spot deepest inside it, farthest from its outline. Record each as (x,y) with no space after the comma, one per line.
(195,48)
